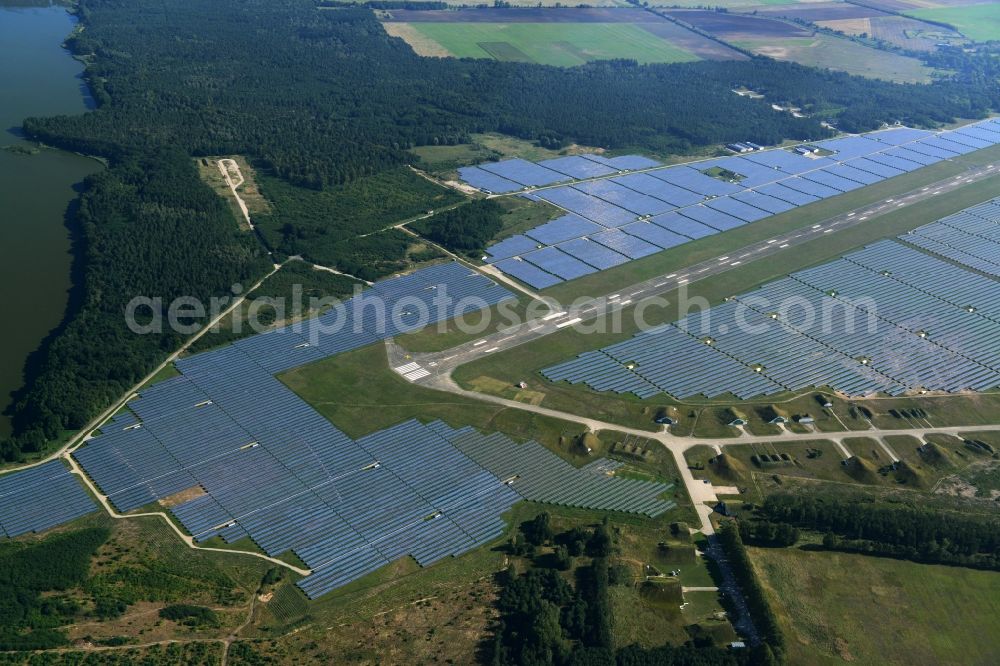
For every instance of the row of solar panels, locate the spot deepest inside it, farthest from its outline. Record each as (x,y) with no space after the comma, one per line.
(966,238)
(271,468)
(254,460)
(515,174)
(888,318)
(393,306)
(539,475)
(621,218)
(40,498)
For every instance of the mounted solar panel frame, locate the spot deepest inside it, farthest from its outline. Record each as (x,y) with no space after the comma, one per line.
(524,172)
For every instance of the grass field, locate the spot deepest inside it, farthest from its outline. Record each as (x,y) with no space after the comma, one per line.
(839,607)
(561,44)
(980,23)
(830,52)
(360,394)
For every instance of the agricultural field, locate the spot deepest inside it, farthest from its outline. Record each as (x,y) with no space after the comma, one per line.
(907,33)
(866,21)
(560,44)
(830,52)
(837,607)
(978,22)
(562,37)
(782,40)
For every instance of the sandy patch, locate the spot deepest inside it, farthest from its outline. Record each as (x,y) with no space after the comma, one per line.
(183,496)
(420,43)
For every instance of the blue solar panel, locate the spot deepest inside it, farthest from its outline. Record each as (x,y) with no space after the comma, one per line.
(685,226)
(898,135)
(619,241)
(511,247)
(592,208)
(655,234)
(925,147)
(986,129)
(779,191)
(856,174)
(810,187)
(625,162)
(736,208)
(740,348)
(988,132)
(938,143)
(789,163)
(578,167)
(593,253)
(763,201)
(830,180)
(654,187)
(562,229)
(913,156)
(694,180)
(41,497)
(752,173)
(895,162)
(851,146)
(558,263)
(524,172)
(875,168)
(528,273)
(621,196)
(486,181)
(712,217)
(967,140)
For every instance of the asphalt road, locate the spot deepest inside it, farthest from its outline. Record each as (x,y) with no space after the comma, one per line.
(443,363)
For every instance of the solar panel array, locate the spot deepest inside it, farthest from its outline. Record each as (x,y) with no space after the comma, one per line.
(539,475)
(969,237)
(237,454)
(39,498)
(888,318)
(684,200)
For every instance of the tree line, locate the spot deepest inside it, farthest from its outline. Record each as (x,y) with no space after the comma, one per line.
(772,648)
(916,533)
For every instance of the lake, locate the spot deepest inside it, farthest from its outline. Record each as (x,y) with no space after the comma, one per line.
(37,77)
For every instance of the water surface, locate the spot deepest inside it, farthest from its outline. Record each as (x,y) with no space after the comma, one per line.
(37,78)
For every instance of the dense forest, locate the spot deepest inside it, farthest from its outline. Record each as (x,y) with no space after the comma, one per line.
(323,97)
(33,582)
(326,105)
(914,533)
(466,229)
(339,225)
